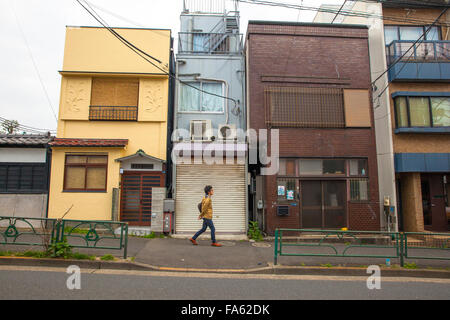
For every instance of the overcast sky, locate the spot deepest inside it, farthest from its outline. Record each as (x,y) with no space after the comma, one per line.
(40,44)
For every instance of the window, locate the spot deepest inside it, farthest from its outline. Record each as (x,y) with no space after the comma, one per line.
(114,99)
(359,189)
(304,107)
(422,111)
(201,97)
(411,33)
(85,173)
(322,167)
(23,177)
(287,189)
(358,167)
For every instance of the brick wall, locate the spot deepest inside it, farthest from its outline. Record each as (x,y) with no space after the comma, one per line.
(312,56)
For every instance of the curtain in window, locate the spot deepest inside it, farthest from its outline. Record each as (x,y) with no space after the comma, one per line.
(390,34)
(200,42)
(189,97)
(210,102)
(440,108)
(419,112)
(410,33)
(433,34)
(402,114)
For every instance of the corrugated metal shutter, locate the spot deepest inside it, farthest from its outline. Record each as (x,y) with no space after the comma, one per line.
(229,212)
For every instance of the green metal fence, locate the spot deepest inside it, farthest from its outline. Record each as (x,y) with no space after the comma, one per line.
(78,233)
(361,244)
(425,245)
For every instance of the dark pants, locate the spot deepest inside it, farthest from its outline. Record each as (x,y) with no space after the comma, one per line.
(207,223)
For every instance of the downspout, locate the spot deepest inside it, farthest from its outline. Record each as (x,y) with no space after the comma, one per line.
(226,92)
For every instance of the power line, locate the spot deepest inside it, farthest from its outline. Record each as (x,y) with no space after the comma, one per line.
(334,11)
(28,127)
(140,52)
(34,62)
(340,9)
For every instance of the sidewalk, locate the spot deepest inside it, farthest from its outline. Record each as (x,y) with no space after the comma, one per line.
(180,253)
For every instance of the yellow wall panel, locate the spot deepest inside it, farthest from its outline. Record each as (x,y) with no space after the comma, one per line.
(153,100)
(75,98)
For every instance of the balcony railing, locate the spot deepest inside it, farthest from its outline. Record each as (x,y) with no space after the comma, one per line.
(209,43)
(424,51)
(210,6)
(423,61)
(110,113)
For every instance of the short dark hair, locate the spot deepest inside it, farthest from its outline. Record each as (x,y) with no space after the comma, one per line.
(208,189)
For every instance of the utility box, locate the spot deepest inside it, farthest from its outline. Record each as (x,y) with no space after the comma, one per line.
(168,222)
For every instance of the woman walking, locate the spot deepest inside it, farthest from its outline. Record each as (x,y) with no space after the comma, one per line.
(207,214)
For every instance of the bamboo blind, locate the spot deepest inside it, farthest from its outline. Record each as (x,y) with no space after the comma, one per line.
(115,92)
(304,107)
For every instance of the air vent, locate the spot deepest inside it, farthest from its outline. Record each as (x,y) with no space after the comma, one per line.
(227,132)
(282,210)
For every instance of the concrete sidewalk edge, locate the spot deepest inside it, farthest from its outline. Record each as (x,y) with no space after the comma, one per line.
(269,269)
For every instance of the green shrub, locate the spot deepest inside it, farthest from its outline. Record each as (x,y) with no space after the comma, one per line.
(107,257)
(60,250)
(254,232)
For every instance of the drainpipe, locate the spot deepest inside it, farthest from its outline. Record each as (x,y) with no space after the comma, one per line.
(226,92)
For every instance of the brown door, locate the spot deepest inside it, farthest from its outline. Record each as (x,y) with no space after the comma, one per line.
(323,204)
(136,197)
(433,200)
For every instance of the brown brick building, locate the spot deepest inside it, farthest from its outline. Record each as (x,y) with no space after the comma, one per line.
(312,83)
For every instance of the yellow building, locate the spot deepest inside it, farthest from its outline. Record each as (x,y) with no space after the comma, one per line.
(111,144)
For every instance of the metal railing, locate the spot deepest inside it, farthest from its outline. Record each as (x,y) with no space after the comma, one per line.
(364,244)
(209,6)
(78,233)
(425,51)
(113,113)
(209,43)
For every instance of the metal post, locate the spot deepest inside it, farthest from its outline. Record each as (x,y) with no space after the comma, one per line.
(402,249)
(275,257)
(126,242)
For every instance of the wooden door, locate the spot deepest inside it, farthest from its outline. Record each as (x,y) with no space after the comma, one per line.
(136,197)
(433,194)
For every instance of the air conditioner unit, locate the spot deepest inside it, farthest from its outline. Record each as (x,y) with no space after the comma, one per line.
(227,132)
(201,130)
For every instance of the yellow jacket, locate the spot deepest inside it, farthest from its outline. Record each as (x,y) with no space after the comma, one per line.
(207,211)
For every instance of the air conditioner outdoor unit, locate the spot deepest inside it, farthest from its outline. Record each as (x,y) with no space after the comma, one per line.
(201,130)
(227,132)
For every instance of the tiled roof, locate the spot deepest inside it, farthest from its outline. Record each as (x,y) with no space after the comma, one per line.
(24,139)
(71,142)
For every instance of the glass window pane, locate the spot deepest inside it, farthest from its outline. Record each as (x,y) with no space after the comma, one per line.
(440,108)
(313,167)
(410,33)
(419,112)
(333,166)
(432,34)
(359,189)
(358,167)
(200,42)
(76,159)
(96,178)
(282,170)
(98,159)
(189,97)
(401,112)
(75,177)
(290,167)
(210,102)
(286,189)
(390,34)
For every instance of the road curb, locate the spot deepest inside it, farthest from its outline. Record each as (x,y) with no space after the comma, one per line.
(269,269)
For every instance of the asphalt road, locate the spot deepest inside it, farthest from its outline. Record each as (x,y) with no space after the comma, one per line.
(51,283)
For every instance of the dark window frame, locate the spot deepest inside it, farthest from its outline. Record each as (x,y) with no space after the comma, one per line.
(33,190)
(408,112)
(424,28)
(86,166)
